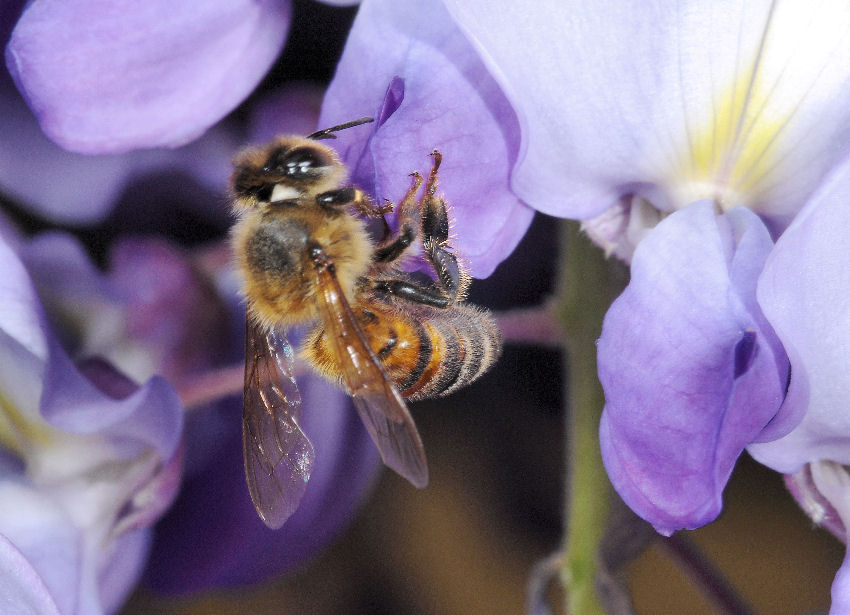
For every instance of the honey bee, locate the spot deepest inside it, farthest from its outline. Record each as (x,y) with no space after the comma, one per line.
(304,251)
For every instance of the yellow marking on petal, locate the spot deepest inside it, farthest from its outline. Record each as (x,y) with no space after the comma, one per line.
(737,146)
(19,433)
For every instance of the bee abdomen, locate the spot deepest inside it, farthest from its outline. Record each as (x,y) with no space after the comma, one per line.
(424,357)
(465,342)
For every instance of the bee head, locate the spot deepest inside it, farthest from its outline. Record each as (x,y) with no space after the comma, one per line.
(287,169)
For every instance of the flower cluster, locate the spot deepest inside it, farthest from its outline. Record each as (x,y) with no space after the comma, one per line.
(704,143)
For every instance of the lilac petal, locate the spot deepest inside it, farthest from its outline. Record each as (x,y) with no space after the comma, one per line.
(692,372)
(833,482)
(169,308)
(681,102)
(21,588)
(805,292)
(123,568)
(48,180)
(814,503)
(21,318)
(80,189)
(35,522)
(44,533)
(213,537)
(149,417)
(106,78)
(152,312)
(68,400)
(292,110)
(445,99)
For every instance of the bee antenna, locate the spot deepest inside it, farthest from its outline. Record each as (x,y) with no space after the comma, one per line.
(327,133)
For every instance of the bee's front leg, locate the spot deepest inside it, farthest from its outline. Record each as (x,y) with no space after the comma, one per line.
(392,247)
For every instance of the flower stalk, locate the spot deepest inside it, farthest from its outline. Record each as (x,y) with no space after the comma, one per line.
(588,284)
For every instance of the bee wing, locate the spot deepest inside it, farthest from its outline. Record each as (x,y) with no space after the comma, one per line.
(278,455)
(378,403)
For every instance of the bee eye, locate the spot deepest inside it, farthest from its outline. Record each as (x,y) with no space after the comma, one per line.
(301,163)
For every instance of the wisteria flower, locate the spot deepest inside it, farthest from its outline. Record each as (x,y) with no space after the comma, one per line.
(90,90)
(407,64)
(153,312)
(627,104)
(106,77)
(89,462)
(733,101)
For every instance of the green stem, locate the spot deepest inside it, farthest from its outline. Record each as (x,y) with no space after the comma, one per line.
(588,285)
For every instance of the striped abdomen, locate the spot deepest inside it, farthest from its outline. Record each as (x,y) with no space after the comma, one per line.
(428,353)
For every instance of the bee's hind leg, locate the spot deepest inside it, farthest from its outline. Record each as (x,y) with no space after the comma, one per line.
(434,220)
(429,218)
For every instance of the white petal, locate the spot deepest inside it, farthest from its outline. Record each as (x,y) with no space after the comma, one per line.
(742,101)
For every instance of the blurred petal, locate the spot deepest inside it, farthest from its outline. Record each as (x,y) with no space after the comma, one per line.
(85,456)
(619,229)
(171,311)
(78,189)
(21,589)
(21,317)
(46,536)
(805,292)
(833,482)
(152,312)
(817,507)
(128,554)
(692,372)
(106,77)
(743,102)
(292,110)
(52,182)
(438,95)
(213,537)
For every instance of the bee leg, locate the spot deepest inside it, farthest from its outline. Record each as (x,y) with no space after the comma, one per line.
(365,206)
(412,292)
(434,225)
(393,247)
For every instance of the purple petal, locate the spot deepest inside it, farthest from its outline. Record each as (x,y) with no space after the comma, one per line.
(105,77)
(21,588)
(21,319)
(76,476)
(445,99)
(292,110)
(48,536)
(170,310)
(833,482)
(680,102)
(152,312)
(213,537)
(812,502)
(692,372)
(48,180)
(805,292)
(45,534)
(124,566)
(150,417)
(80,189)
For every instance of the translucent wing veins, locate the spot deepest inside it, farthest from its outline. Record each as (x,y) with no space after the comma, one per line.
(278,455)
